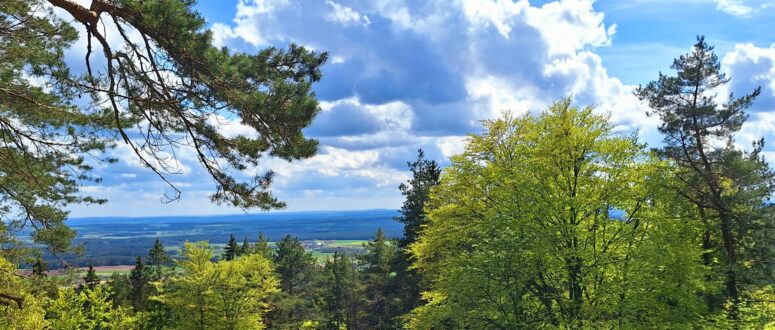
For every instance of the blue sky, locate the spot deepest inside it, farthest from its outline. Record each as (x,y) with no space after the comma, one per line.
(404,75)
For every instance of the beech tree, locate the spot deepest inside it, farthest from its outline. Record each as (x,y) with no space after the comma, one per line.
(549,221)
(218,295)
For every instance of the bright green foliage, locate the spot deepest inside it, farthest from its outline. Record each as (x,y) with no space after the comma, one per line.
(87,309)
(296,271)
(548,221)
(405,289)
(380,311)
(156,315)
(727,188)
(223,295)
(343,298)
(21,303)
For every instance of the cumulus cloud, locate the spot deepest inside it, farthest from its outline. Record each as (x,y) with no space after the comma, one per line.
(749,67)
(409,74)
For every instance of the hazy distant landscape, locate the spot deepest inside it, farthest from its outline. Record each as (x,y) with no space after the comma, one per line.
(112,241)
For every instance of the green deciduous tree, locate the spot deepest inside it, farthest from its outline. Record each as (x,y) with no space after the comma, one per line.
(549,221)
(218,295)
(406,287)
(90,309)
(121,289)
(728,188)
(21,303)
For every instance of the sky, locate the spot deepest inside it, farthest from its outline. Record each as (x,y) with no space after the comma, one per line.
(404,75)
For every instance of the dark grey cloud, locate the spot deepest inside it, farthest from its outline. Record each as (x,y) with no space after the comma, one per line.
(343,119)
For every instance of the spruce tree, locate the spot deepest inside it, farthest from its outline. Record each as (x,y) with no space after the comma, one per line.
(245,248)
(382,307)
(138,279)
(425,175)
(231,250)
(728,187)
(91,280)
(39,268)
(262,246)
(158,313)
(342,294)
(296,271)
(158,258)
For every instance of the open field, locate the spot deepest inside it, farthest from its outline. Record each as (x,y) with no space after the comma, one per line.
(118,241)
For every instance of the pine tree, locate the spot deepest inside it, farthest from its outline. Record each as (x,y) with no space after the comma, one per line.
(39,268)
(138,279)
(91,280)
(231,250)
(126,91)
(729,188)
(425,175)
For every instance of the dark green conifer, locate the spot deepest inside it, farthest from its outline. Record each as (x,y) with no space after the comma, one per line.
(138,279)
(245,248)
(231,250)
(91,280)
(262,246)
(39,268)
(158,258)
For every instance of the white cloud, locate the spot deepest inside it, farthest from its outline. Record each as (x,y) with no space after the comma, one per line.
(345,15)
(734,7)
(569,25)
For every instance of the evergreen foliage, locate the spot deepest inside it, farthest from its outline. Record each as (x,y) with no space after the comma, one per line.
(406,285)
(138,279)
(232,250)
(91,280)
(727,188)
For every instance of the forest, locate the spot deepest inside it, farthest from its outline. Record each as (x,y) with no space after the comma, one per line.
(552,219)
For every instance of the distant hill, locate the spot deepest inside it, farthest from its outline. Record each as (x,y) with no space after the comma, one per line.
(118,240)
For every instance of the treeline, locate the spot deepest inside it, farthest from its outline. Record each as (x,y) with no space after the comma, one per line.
(553,220)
